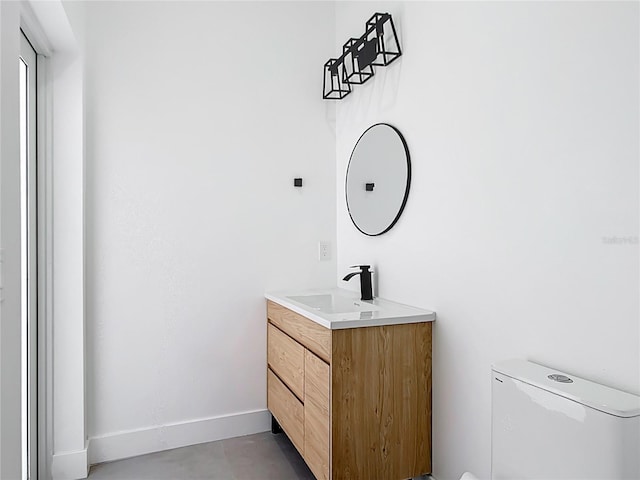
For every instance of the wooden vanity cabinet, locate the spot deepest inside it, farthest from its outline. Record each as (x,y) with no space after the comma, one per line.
(356,402)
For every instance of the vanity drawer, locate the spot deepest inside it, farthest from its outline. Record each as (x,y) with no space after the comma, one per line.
(287,409)
(286,358)
(313,336)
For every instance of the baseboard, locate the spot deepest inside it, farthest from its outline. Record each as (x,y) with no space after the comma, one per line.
(132,443)
(70,465)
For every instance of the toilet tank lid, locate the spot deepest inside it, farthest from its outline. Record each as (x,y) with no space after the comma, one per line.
(605,399)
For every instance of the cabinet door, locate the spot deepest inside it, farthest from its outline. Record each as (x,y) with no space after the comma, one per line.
(316,416)
(285,356)
(381,401)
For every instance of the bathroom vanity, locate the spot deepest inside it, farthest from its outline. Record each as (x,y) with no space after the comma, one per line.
(349,382)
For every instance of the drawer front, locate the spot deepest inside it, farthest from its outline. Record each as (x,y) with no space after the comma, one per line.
(287,409)
(286,358)
(316,416)
(313,336)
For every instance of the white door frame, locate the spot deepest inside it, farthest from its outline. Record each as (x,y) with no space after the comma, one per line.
(62,445)
(38,39)
(30,240)
(62,430)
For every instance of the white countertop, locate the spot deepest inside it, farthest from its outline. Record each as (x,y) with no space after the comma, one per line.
(337,308)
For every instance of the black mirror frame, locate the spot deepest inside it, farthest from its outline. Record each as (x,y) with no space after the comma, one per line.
(407,188)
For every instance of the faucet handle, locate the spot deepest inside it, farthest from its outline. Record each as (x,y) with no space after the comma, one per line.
(361,267)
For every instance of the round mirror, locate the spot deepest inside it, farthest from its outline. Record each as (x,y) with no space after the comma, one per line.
(378,179)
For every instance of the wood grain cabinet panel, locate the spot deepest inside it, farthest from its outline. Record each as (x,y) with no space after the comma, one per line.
(311,335)
(316,416)
(365,411)
(285,356)
(381,402)
(288,410)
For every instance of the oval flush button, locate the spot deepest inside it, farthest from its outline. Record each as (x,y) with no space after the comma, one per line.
(556,377)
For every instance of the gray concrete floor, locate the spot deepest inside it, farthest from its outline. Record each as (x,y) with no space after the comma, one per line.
(262,456)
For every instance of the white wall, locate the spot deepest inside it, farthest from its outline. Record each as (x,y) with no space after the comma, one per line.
(198,116)
(10,330)
(522,123)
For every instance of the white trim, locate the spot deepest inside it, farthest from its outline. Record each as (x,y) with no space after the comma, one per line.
(70,465)
(53,33)
(62,451)
(139,442)
(29,257)
(45,273)
(33,30)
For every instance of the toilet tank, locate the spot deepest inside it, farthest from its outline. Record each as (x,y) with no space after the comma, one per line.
(551,425)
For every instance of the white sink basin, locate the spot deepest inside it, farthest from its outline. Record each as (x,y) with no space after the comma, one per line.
(332,303)
(336,308)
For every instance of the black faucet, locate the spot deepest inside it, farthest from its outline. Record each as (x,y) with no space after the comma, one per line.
(365,281)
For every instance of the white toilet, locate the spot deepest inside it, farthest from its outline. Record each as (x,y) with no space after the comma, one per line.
(550,425)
